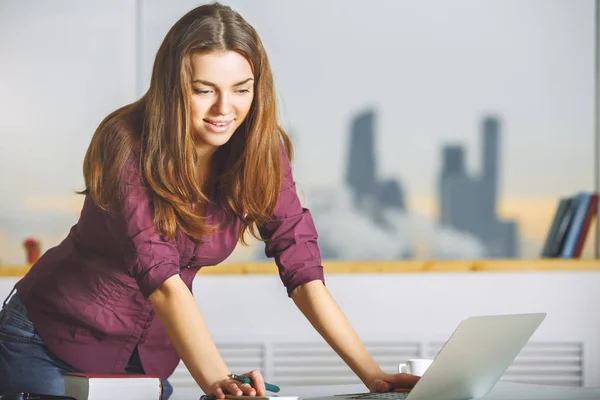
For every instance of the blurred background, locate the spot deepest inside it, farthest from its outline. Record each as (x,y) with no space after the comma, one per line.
(422,129)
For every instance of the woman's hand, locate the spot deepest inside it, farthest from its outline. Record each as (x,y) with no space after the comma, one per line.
(231,386)
(390,382)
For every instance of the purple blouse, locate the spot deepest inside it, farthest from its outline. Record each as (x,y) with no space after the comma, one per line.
(88,296)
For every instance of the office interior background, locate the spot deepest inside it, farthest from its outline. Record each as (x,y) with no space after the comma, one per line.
(423,130)
(386,103)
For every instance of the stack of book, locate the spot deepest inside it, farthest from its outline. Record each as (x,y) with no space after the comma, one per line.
(570,226)
(113,386)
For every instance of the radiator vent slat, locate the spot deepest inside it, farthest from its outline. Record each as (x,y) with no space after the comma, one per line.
(315,363)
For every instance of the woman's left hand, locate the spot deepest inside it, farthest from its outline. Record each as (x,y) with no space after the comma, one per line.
(390,382)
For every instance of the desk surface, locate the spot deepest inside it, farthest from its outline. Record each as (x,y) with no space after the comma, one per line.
(502,391)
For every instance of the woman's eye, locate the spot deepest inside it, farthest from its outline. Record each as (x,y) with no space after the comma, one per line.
(242,91)
(201,91)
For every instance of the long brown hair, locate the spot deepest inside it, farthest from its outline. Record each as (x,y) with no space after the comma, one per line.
(159,124)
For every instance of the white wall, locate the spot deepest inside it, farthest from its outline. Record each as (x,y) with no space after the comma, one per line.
(421,307)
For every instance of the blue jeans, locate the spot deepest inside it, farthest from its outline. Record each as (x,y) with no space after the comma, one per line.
(27,365)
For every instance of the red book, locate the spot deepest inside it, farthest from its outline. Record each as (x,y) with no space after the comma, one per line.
(113,386)
(589,216)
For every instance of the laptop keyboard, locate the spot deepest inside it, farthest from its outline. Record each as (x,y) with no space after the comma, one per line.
(377,396)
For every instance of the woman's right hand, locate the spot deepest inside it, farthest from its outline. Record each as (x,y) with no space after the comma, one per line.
(233,387)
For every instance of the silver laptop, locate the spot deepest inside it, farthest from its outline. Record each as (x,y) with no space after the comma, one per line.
(470,362)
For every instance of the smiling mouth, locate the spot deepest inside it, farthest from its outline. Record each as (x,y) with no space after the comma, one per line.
(218,123)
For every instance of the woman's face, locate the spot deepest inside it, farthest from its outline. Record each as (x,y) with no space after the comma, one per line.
(222,92)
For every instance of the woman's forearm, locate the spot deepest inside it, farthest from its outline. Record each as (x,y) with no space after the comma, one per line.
(177,310)
(319,307)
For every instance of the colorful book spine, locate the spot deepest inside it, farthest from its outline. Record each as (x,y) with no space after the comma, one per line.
(589,217)
(550,248)
(584,201)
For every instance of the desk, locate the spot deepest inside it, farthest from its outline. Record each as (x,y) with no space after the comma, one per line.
(502,391)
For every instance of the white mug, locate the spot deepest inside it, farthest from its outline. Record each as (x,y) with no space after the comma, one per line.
(415,366)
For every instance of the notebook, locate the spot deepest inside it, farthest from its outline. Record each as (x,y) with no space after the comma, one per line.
(113,386)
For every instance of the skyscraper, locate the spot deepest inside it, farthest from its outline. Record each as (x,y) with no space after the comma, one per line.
(371,195)
(490,162)
(469,203)
(360,174)
(455,187)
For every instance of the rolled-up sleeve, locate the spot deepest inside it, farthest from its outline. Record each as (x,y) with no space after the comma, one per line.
(150,259)
(291,236)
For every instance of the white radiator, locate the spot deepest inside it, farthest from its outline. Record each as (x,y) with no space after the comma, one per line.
(314,363)
(547,363)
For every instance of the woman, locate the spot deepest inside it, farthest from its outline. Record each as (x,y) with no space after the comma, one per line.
(173,181)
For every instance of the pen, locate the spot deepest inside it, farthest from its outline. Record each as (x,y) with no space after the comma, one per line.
(245,379)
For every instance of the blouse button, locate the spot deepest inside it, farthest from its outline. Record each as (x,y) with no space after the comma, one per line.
(189,264)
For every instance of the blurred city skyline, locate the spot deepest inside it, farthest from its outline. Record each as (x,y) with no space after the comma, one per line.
(430,70)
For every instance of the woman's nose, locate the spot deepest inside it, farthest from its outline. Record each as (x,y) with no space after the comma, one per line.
(223,105)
